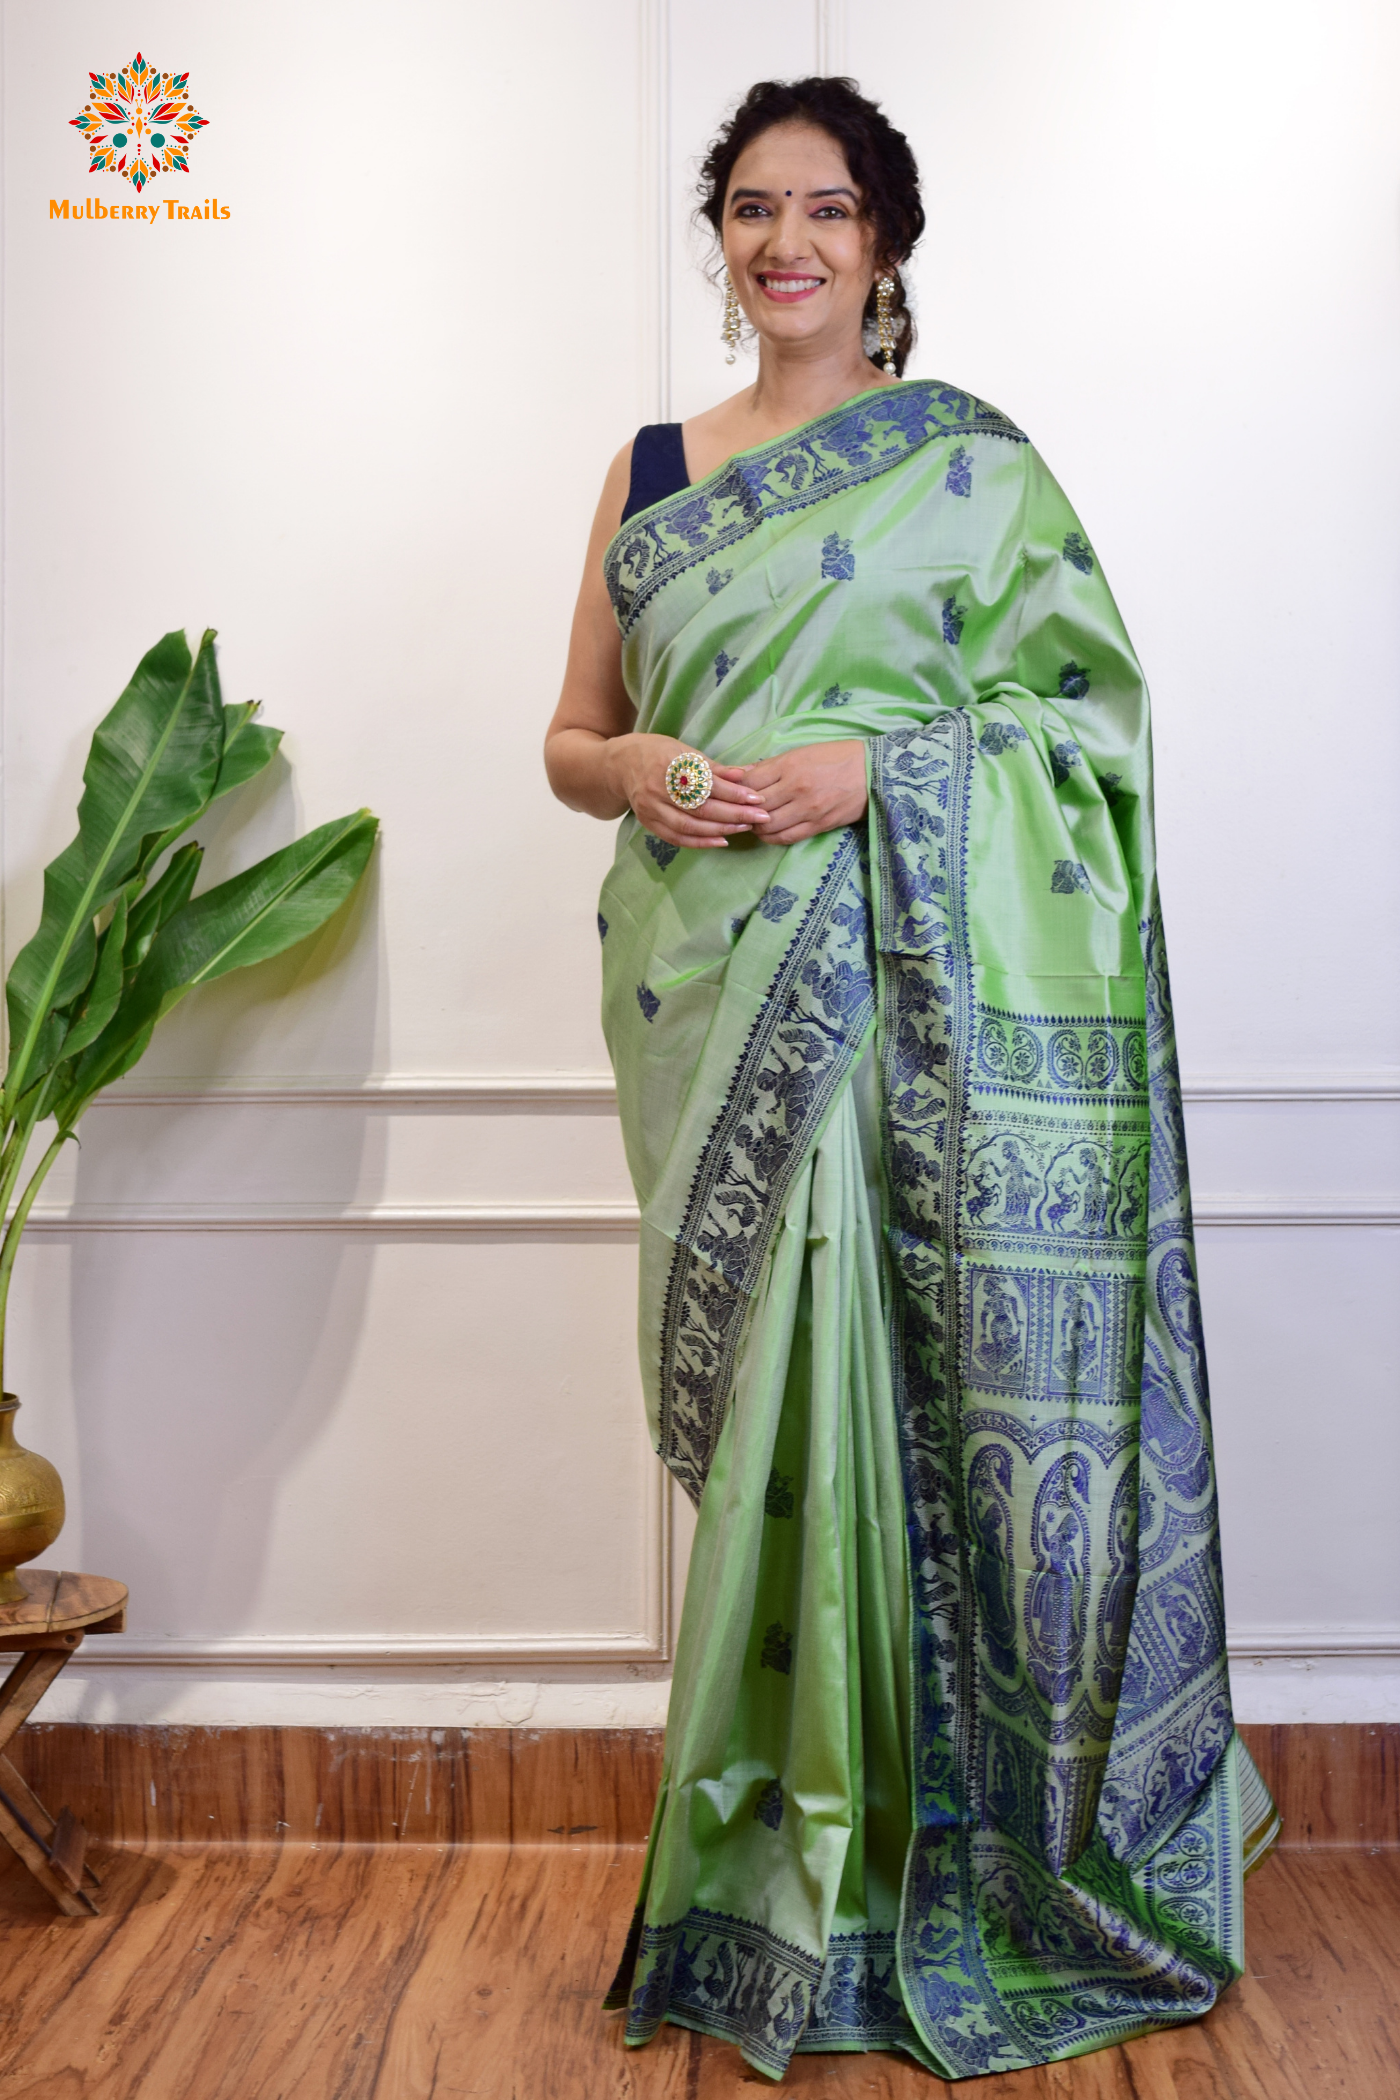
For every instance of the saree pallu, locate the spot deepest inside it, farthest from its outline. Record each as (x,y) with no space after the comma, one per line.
(950,1763)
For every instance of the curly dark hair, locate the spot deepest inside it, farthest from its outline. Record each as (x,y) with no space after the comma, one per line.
(879,157)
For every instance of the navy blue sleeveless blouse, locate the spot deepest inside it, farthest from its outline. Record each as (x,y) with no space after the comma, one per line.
(658,466)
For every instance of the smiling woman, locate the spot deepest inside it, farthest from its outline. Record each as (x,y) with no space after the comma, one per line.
(950,1762)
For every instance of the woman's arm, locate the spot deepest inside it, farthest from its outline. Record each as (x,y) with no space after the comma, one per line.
(595,760)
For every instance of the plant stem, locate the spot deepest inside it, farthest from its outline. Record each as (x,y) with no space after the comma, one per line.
(9,1247)
(12,1159)
(7,1155)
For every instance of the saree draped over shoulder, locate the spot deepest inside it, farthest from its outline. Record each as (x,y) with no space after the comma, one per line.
(950,1765)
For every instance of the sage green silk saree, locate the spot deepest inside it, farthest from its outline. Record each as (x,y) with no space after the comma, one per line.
(950,1763)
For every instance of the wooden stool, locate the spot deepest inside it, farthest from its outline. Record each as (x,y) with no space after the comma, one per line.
(47,1629)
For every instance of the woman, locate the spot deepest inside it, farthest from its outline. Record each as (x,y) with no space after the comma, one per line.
(950,1765)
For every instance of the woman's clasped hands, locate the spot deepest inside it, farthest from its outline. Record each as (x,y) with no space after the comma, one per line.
(818,787)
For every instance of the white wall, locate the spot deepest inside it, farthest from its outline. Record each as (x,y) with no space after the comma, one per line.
(330,1328)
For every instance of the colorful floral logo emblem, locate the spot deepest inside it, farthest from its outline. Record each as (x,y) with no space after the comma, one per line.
(138,122)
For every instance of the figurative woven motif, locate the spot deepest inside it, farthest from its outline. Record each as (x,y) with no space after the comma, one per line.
(731,1977)
(1174,1712)
(1052,1966)
(961,1095)
(138,123)
(838,451)
(1070,1702)
(813,1022)
(728,1976)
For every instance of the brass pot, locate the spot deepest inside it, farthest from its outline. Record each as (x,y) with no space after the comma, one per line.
(31,1504)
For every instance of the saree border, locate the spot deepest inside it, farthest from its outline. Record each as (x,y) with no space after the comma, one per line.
(1175,1721)
(848,445)
(728,1976)
(858,2004)
(800,1050)
(754,1988)
(1003,1821)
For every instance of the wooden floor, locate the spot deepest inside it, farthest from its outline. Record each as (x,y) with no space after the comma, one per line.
(428,1972)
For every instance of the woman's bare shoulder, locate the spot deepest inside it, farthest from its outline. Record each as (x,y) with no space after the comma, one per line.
(619,472)
(716,434)
(616,483)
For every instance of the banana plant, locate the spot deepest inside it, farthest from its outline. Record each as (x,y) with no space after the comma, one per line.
(120,944)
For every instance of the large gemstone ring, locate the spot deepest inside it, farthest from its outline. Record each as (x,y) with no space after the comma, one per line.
(689,780)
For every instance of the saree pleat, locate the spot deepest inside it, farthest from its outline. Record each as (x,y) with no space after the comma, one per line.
(783,1821)
(950,1763)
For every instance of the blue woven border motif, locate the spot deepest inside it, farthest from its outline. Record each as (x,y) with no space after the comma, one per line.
(837,451)
(800,1052)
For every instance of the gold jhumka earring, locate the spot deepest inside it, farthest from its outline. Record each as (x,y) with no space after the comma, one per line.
(884,301)
(729,331)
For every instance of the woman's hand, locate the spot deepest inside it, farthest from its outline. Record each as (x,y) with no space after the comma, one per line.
(818,787)
(635,766)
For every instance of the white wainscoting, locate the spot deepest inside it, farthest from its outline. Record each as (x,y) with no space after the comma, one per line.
(558,1130)
(330,1326)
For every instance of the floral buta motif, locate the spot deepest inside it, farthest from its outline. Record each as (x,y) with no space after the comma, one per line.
(1069,876)
(648,1001)
(716,579)
(138,123)
(1078,553)
(959,477)
(724,664)
(836,696)
(778,1496)
(769,1807)
(838,560)
(776,1652)
(1062,757)
(777,902)
(954,618)
(602,927)
(661,850)
(1001,736)
(1074,681)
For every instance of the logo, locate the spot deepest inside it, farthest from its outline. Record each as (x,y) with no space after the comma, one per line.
(138,123)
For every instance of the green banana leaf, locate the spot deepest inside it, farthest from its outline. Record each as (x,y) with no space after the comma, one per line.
(153,766)
(122,949)
(247,748)
(247,919)
(248,745)
(104,992)
(159,903)
(114,950)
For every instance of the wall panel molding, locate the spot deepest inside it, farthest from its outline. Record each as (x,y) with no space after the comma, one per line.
(1300,1086)
(832,44)
(1259,1643)
(379,1220)
(277,1651)
(1327,1214)
(387,1090)
(584,1089)
(654,157)
(465,1220)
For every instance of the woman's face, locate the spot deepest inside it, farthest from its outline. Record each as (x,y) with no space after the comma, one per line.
(801,258)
